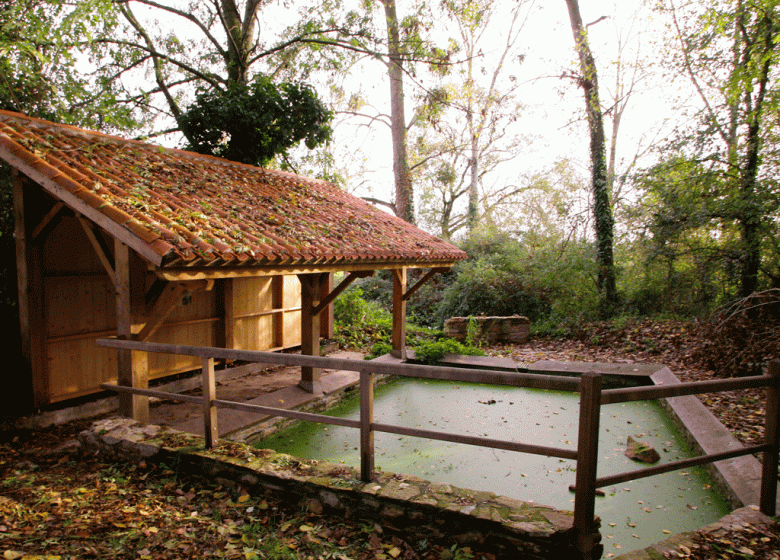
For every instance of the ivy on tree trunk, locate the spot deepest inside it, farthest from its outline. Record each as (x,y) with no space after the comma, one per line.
(599,181)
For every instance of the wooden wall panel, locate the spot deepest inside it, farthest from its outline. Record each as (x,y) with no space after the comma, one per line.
(78,305)
(78,367)
(67,251)
(254,333)
(200,333)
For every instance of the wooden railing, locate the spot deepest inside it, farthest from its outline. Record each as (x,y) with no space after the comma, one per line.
(592,397)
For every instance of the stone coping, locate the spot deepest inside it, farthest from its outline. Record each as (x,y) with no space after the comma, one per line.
(674,547)
(738,479)
(414,507)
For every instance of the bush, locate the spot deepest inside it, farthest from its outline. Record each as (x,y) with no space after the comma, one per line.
(739,338)
(432,352)
(358,322)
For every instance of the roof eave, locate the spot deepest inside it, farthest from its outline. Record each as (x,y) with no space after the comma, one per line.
(46,176)
(273,269)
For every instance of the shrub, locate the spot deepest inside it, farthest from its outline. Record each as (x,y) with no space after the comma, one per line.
(739,338)
(432,352)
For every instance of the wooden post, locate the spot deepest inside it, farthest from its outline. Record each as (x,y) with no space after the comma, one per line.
(326,315)
(132,365)
(30,287)
(769,461)
(310,331)
(587,457)
(277,302)
(209,390)
(399,313)
(366,431)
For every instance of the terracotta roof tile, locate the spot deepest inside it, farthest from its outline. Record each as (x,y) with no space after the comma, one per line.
(185,207)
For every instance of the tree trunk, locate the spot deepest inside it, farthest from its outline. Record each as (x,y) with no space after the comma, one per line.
(404,194)
(599,183)
(752,213)
(474,180)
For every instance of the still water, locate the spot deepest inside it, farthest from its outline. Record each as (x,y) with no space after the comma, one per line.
(634,514)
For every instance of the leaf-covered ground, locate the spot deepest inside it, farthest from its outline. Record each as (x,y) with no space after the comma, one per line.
(56,502)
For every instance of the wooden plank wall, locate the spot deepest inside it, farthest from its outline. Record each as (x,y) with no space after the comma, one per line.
(247,313)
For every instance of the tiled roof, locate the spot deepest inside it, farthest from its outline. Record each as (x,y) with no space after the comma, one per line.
(180,208)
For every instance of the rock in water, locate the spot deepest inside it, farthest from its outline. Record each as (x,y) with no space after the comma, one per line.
(641,451)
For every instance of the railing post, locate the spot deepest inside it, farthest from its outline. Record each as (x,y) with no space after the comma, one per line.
(770,459)
(587,456)
(209,390)
(366,431)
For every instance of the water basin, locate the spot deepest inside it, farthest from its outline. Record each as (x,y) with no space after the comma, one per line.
(634,514)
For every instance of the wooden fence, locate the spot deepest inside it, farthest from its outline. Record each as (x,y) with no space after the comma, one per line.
(592,396)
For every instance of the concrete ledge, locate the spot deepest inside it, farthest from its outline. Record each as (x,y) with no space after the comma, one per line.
(739,479)
(411,506)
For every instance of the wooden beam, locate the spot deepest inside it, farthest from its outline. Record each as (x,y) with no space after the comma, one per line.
(399,313)
(166,302)
(29,278)
(277,304)
(310,330)
(343,285)
(423,280)
(132,366)
(99,244)
(328,316)
(48,221)
(42,174)
(177,274)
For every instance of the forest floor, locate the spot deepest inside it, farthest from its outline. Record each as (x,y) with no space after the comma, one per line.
(56,502)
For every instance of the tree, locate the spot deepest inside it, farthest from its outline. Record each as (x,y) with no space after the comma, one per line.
(39,40)
(404,192)
(727,52)
(210,58)
(259,121)
(468,118)
(604,222)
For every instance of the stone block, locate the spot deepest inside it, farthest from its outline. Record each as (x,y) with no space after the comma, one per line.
(492,330)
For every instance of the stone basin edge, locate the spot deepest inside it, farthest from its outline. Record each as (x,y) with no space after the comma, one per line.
(483,521)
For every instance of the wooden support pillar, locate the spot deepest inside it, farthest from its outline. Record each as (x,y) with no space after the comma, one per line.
(311,290)
(399,313)
(326,316)
(133,368)
(29,277)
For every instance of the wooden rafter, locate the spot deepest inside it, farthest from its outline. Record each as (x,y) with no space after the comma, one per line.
(343,285)
(423,280)
(48,220)
(100,246)
(166,302)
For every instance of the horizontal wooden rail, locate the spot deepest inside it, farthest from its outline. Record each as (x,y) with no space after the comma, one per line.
(294,414)
(681,464)
(477,441)
(592,397)
(489,377)
(627,394)
(151,393)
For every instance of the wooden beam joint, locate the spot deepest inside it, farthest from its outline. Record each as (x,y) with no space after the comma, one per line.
(423,280)
(337,291)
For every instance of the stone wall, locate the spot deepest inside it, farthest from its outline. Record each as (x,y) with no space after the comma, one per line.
(512,330)
(413,507)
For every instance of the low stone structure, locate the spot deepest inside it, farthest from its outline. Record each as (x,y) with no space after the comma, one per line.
(416,508)
(514,329)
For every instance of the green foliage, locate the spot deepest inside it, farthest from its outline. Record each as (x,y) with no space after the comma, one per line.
(379,349)
(359,323)
(40,41)
(253,123)
(473,332)
(432,352)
